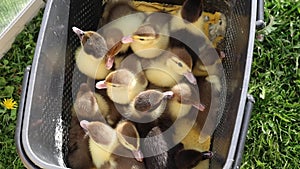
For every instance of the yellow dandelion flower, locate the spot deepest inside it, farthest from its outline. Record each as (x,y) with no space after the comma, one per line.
(9,103)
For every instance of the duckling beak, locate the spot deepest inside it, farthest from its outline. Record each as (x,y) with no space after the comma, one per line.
(101,85)
(168,94)
(207,155)
(190,77)
(84,124)
(127,39)
(78,32)
(199,106)
(110,55)
(138,155)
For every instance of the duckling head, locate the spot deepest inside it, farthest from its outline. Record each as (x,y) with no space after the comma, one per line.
(129,138)
(96,45)
(120,85)
(86,106)
(92,42)
(190,158)
(191,10)
(181,62)
(113,37)
(145,40)
(185,94)
(101,134)
(151,103)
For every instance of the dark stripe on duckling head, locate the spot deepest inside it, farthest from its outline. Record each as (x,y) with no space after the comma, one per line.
(183,55)
(94,44)
(120,77)
(148,100)
(128,132)
(146,31)
(100,132)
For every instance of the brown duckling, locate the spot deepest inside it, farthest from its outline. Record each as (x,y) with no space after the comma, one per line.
(159,153)
(78,145)
(155,148)
(169,68)
(89,105)
(95,106)
(191,10)
(187,159)
(125,83)
(110,147)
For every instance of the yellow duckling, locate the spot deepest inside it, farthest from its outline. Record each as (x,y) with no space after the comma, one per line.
(169,68)
(184,98)
(125,83)
(115,30)
(152,37)
(114,148)
(213,25)
(93,54)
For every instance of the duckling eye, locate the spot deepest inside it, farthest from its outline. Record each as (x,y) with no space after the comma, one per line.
(179,64)
(141,39)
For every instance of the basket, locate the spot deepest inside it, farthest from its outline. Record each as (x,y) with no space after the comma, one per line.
(44,118)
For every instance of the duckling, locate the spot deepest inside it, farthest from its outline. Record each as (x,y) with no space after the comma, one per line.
(192,18)
(108,150)
(115,9)
(89,105)
(78,145)
(213,25)
(191,10)
(125,83)
(93,54)
(152,37)
(204,70)
(155,148)
(147,106)
(115,30)
(184,98)
(189,135)
(159,154)
(186,159)
(169,68)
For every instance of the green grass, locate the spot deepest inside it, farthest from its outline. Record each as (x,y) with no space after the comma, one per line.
(12,66)
(274,131)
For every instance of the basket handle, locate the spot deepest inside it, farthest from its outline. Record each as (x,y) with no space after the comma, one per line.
(242,138)
(18,132)
(260,23)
